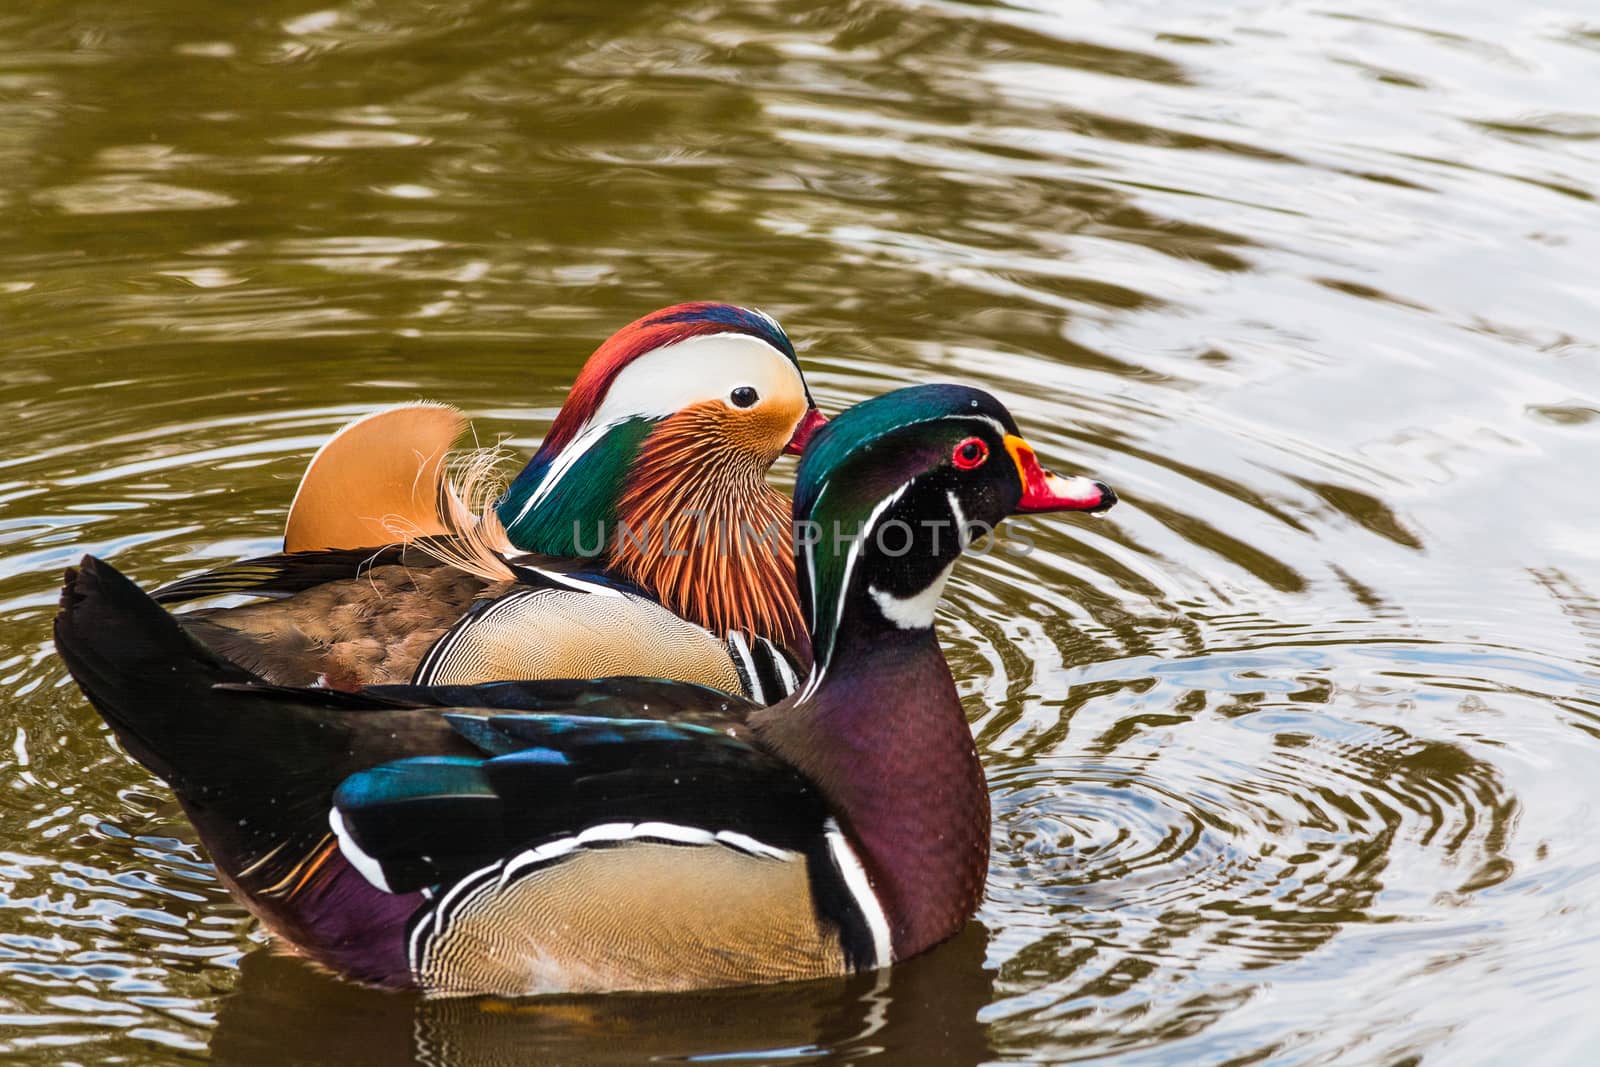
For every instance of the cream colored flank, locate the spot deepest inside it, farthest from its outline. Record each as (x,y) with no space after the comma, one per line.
(641,916)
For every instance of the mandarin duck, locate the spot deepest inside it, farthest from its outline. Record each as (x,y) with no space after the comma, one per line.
(642,537)
(627,833)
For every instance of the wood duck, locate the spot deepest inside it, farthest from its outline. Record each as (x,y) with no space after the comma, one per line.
(642,536)
(616,834)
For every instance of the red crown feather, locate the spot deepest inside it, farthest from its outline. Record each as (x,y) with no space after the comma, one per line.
(655,330)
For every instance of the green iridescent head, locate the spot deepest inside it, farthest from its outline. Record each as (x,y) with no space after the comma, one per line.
(892,490)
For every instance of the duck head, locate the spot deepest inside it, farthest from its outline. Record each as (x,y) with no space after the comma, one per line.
(725,380)
(892,491)
(889,495)
(678,414)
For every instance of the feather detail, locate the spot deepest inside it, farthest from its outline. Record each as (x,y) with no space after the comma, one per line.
(476,541)
(667,326)
(384,465)
(700,527)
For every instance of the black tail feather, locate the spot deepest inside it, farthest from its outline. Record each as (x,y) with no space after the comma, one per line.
(133,661)
(254,766)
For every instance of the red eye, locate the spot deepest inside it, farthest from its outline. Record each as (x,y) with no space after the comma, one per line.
(970,453)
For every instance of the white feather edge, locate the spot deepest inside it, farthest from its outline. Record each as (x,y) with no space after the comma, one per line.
(368,867)
(665,380)
(860,886)
(740,649)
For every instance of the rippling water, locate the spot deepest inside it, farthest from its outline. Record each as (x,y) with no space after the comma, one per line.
(1292,756)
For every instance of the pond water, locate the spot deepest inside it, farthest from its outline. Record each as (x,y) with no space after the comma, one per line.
(1292,756)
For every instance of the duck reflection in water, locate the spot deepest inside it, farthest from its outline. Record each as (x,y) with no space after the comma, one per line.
(924,1011)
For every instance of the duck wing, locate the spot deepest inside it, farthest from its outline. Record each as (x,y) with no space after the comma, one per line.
(584,853)
(348,618)
(382,472)
(344,618)
(612,697)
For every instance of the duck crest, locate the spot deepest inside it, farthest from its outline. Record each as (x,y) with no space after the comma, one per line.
(656,330)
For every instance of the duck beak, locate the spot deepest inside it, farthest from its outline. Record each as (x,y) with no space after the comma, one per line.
(1043,491)
(802,433)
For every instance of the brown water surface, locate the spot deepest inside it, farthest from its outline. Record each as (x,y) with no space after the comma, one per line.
(1293,757)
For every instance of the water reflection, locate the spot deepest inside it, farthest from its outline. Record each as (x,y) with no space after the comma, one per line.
(1309,722)
(927,1012)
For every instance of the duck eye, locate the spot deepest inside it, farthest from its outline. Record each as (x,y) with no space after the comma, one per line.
(743,396)
(970,453)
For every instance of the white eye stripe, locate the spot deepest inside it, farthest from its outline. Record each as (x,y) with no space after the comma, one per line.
(668,379)
(696,370)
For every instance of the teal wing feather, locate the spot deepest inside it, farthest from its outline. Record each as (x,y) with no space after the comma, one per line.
(542,778)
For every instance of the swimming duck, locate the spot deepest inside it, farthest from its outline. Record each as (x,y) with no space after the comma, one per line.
(618,834)
(642,536)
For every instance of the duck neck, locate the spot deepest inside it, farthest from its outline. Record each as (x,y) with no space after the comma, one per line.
(673,508)
(700,528)
(564,502)
(883,735)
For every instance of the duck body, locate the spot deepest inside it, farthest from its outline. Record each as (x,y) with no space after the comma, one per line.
(595,558)
(411,617)
(625,833)
(893,750)
(478,869)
